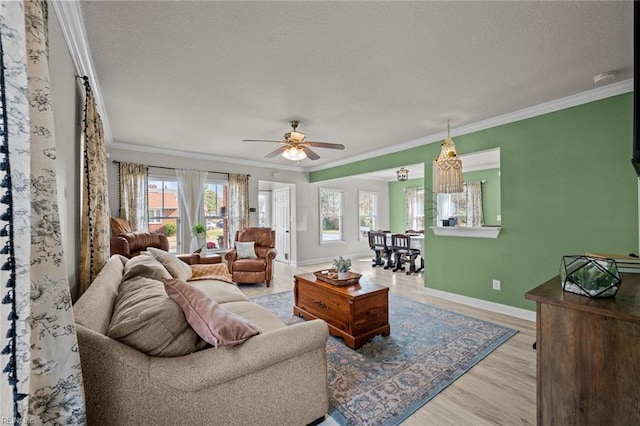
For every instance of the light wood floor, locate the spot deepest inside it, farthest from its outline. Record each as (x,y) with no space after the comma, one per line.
(499,390)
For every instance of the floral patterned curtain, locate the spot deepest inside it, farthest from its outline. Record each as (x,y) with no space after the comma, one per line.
(238,204)
(133,195)
(475,217)
(41,381)
(96,231)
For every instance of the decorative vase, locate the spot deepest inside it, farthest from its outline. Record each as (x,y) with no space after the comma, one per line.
(343,275)
(589,276)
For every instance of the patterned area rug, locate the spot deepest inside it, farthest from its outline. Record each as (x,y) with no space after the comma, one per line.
(389,378)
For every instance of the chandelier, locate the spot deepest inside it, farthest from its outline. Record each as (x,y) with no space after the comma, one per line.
(448,168)
(402,174)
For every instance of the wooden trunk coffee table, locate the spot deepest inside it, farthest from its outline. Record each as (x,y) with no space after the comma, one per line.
(354,312)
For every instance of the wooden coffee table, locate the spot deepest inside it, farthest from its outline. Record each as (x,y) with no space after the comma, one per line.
(355,312)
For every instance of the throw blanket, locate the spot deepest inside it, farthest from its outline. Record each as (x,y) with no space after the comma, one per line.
(216,271)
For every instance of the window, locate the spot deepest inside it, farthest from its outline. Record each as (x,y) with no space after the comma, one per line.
(155,216)
(452,206)
(215,214)
(264,209)
(163,206)
(368,212)
(464,207)
(164,211)
(415,209)
(330,215)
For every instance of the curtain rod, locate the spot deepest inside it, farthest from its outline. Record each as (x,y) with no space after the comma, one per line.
(481,181)
(173,168)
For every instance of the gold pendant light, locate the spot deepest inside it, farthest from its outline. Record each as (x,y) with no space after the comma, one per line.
(448,168)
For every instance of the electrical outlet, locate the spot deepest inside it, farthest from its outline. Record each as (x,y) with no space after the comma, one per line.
(499,217)
(496,284)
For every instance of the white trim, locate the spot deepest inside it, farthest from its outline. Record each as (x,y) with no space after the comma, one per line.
(200,156)
(534,111)
(477,232)
(499,308)
(69,17)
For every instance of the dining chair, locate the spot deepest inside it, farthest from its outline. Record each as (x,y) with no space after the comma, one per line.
(381,250)
(402,252)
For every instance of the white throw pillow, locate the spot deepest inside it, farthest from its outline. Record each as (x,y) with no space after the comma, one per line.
(246,250)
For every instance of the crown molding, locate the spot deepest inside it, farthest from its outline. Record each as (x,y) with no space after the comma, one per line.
(71,23)
(200,156)
(69,17)
(592,95)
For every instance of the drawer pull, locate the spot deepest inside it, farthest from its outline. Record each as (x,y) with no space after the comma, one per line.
(320,304)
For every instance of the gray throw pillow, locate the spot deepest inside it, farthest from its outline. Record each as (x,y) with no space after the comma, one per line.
(246,250)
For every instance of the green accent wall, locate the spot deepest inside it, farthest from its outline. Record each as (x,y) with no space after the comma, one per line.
(567,187)
(397,199)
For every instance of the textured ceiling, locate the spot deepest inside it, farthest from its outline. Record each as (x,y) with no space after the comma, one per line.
(202,76)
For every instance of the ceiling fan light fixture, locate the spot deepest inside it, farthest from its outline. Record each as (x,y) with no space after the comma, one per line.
(296,136)
(294,154)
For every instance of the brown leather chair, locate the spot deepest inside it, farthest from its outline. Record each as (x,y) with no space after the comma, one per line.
(130,244)
(258,270)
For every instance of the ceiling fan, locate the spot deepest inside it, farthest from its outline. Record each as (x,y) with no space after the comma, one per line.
(295,147)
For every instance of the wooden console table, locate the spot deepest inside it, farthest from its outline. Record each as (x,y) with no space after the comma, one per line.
(588,355)
(354,312)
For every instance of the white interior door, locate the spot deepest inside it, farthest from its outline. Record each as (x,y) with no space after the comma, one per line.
(282,223)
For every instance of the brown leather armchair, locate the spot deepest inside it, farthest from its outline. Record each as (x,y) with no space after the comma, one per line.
(253,270)
(130,244)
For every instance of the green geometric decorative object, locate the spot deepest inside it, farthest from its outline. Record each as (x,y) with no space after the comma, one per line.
(588,276)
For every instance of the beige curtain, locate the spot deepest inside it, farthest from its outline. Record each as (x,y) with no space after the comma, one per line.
(238,204)
(40,377)
(474,204)
(133,195)
(414,213)
(191,184)
(94,243)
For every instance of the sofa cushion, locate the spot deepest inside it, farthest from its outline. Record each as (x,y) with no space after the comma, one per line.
(220,291)
(246,250)
(176,267)
(213,323)
(145,266)
(257,314)
(250,265)
(145,318)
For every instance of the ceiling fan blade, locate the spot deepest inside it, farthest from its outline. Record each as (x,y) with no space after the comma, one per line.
(277,152)
(259,140)
(326,145)
(310,154)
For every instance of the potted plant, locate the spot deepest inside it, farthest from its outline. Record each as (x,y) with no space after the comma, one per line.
(200,232)
(342,266)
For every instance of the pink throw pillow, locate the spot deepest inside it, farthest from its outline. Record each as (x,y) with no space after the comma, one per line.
(214,324)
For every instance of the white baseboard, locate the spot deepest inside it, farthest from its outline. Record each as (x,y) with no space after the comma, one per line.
(483,304)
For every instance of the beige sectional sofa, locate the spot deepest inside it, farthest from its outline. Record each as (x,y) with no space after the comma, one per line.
(278,377)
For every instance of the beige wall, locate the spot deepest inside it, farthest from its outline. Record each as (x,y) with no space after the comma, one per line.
(67,109)
(305,245)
